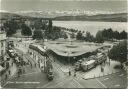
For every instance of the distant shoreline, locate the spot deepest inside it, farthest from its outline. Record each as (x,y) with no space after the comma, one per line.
(92,21)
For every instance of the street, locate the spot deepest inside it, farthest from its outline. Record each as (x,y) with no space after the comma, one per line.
(33,77)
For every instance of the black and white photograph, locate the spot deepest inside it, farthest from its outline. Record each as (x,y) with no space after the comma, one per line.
(63,44)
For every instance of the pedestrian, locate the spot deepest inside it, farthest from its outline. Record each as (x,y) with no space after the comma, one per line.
(9,72)
(39,65)
(75,74)
(31,65)
(24,70)
(101,69)
(69,73)
(35,64)
(12,63)
(18,73)
(6,76)
(109,61)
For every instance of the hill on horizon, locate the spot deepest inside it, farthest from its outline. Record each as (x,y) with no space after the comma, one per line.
(117,17)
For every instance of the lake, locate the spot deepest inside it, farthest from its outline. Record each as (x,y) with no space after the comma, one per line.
(92,26)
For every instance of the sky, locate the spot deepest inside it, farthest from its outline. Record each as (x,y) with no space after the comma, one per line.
(52,5)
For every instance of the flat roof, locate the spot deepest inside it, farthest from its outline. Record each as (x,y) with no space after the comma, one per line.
(63,48)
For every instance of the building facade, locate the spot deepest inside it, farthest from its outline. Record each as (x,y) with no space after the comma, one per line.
(2,45)
(2,53)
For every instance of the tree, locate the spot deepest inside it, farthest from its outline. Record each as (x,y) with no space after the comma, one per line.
(53,34)
(123,35)
(107,34)
(65,36)
(99,37)
(89,37)
(79,36)
(38,35)
(38,24)
(116,35)
(119,52)
(110,33)
(11,27)
(72,35)
(26,31)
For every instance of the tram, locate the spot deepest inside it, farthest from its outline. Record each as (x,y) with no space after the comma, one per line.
(91,62)
(48,68)
(86,65)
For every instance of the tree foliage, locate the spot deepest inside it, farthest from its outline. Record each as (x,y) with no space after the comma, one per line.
(119,52)
(123,35)
(26,31)
(89,37)
(38,24)
(99,37)
(116,35)
(65,36)
(109,34)
(79,36)
(72,35)
(11,27)
(38,35)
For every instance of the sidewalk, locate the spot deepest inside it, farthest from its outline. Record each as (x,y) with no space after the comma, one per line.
(13,71)
(96,72)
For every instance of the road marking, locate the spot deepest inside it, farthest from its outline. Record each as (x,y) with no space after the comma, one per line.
(57,81)
(29,73)
(121,74)
(101,83)
(61,83)
(20,75)
(5,84)
(117,85)
(106,78)
(24,82)
(78,83)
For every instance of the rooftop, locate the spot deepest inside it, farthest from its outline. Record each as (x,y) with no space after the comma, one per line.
(89,62)
(65,48)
